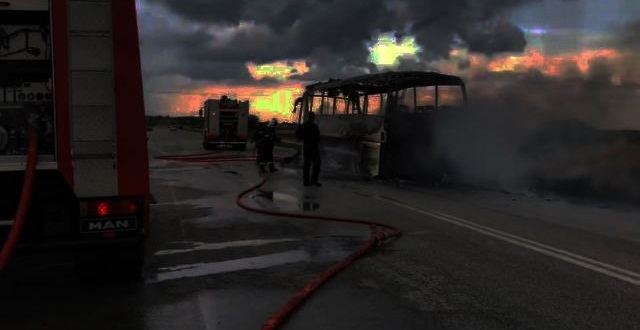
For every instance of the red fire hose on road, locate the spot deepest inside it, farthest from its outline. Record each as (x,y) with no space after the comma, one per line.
(380,233)
(23,205)
(208,158)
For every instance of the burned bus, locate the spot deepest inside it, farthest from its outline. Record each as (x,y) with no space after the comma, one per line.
(381,125)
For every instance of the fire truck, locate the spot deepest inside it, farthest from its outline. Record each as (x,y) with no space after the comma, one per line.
(70,72)
(226,123)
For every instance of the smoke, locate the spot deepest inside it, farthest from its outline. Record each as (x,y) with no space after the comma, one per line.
(629,40)
(575,133)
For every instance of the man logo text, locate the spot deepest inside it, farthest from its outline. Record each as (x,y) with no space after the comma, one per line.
(109,225)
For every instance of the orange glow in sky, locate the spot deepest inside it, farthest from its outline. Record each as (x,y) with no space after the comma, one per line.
(551,65)
(277,101)
(280,70)
(265,102)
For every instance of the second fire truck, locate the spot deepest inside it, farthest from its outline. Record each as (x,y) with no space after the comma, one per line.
(226,123)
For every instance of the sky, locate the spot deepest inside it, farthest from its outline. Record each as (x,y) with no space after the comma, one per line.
(267,50)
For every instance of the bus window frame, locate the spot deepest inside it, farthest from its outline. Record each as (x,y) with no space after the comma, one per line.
(333,110)
(325,102)
(388,101)
(462,97)
(384,98)
(346,105)
(413,103)
(437,98)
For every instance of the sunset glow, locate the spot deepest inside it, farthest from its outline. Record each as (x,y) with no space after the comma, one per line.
(277,101)
(387,51)
(551,65)
(265,102)
(532,59)
(279,70)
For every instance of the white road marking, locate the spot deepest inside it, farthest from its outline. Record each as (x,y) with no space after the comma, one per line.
(198,246)
(6,223)
(588,263)
(227,266)
(164,204)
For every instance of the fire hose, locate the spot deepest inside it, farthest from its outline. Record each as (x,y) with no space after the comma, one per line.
(380,233)
(23,205)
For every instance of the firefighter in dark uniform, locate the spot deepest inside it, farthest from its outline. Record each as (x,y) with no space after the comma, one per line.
(309,133)
(265,139)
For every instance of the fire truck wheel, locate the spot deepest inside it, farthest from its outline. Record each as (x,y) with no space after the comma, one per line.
(118,263)
(130,261)
(4,138)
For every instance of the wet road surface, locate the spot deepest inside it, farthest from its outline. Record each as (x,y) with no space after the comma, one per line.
(468,259)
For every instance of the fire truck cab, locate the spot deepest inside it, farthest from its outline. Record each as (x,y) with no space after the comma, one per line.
(226,123)
(71,70)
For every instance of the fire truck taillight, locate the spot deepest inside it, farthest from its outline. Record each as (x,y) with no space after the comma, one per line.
(103,209)
(108,208)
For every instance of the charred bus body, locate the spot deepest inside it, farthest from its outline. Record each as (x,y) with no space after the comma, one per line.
(380,125)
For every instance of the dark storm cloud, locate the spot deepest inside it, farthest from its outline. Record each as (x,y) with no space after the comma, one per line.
(480,25)
(629,36)
(331,35)
(495,37)
(221,11)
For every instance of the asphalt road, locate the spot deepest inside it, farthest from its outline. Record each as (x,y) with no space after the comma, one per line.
(469,259)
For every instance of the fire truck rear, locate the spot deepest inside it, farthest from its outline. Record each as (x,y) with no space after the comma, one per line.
(226,123)
(70,71)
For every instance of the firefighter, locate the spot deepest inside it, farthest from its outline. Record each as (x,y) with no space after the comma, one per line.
(309,133)
(265,139)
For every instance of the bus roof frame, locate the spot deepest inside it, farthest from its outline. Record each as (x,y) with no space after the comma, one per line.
(386,82)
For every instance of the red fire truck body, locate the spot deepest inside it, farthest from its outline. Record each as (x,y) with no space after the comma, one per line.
(72,69)
(226,123)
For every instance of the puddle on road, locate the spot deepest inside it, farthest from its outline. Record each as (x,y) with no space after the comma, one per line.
(199,246)
(289,170)
(315,249)
(211,268)
(276,197)
(228,308)
(310,203)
